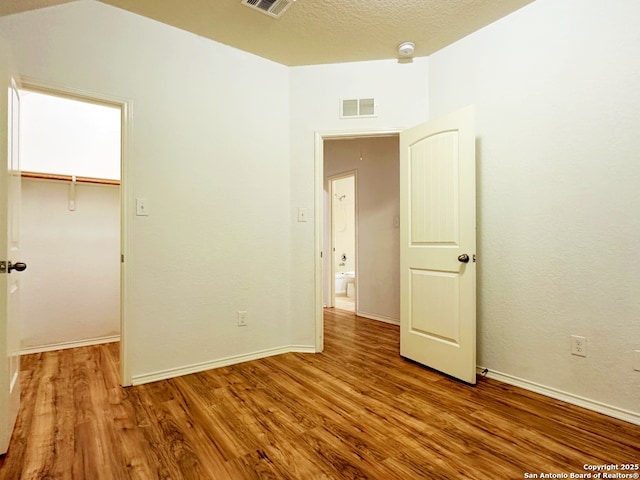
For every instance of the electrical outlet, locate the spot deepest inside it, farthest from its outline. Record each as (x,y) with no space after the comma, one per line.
(242,318)
(578,345)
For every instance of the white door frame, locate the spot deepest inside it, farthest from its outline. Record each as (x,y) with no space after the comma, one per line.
(320,137)
(29,83)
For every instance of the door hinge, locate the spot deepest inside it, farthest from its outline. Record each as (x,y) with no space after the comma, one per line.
(474,258)
(3,267)
(122,258)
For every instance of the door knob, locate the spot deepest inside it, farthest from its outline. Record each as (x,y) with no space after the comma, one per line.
(464,258)
(19,266)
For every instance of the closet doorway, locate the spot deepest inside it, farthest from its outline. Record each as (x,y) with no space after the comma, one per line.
(71,150)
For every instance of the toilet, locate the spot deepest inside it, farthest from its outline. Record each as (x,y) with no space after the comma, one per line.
(346,284)
(350,279)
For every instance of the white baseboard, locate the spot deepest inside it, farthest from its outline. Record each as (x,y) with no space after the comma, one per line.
(302,349)
(223,362)
(380,318)
(74,344)
(610,410)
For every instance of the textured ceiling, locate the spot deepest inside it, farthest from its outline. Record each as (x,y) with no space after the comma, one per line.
(318,31)
(8,7)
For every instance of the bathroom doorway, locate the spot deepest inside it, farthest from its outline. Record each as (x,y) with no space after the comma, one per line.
(343,197)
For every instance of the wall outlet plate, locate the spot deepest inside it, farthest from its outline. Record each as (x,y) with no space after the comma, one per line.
(578,345)
(242,318)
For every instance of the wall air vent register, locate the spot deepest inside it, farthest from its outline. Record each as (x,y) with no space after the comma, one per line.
(357,107)
(273,8)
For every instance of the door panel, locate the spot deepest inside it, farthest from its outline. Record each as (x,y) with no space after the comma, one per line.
(434,193)
(434,305)
(438,311)
(10,182)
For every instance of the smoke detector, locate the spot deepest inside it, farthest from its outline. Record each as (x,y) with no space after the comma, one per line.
(406,49)
(273,8)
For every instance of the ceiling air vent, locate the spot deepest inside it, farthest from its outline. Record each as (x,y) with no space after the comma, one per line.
(357,108)
(273,8)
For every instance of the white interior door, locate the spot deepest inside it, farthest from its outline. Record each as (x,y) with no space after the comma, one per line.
(10,182)
(438,242)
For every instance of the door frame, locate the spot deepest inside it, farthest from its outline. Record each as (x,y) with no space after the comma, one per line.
(125,105)
(320,137)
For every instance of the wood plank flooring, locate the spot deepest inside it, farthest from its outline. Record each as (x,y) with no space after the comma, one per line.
(356,411)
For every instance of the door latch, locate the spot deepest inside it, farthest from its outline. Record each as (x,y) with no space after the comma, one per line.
(6,267)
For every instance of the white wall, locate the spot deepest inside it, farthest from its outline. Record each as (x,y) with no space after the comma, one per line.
(378,203)
(557,97)
(400,91)
(71,288)
(209,149)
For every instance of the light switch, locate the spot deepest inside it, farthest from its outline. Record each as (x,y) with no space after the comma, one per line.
(142,207)
(302,214)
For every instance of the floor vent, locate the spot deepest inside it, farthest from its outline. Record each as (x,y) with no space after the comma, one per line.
(273,8)
(357,108)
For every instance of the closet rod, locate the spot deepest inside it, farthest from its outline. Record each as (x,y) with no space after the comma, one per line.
(69,178)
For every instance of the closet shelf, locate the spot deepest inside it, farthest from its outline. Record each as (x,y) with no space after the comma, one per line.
(69,178)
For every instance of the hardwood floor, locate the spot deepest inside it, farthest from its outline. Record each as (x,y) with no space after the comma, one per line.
(345,303)
(358,410)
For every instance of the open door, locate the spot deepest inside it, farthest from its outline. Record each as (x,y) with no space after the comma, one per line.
(437,245)
(10,266)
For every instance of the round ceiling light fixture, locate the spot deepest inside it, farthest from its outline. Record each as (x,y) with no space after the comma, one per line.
(406,49)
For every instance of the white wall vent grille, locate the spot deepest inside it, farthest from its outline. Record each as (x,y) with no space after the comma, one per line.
(273,8)
(357,108)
